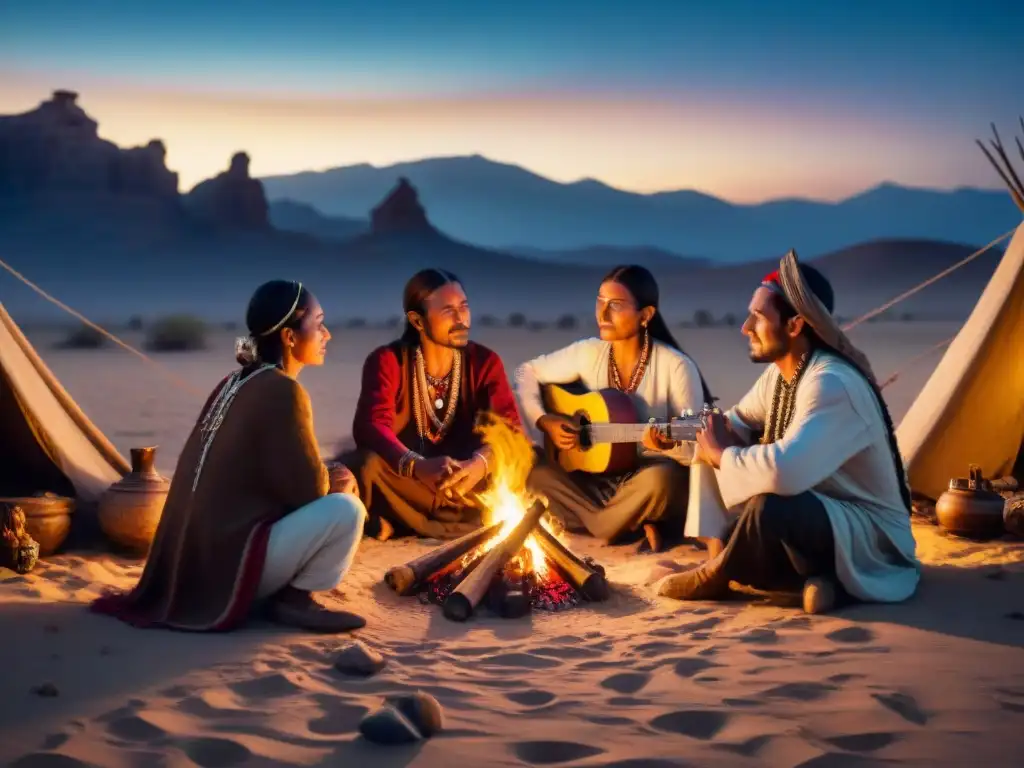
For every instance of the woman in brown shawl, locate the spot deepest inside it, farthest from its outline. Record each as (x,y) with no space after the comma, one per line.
(252,511)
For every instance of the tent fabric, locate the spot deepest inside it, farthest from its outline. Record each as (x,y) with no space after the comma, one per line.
(971,410)
(46,442)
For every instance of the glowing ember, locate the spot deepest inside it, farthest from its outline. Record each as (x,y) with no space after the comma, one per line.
(542,574)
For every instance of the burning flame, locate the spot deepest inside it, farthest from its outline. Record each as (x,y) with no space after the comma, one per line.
(507,498)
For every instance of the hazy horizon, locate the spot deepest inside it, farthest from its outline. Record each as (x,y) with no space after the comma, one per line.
(740,101)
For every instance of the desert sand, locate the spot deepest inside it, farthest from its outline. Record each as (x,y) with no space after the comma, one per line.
(638,681)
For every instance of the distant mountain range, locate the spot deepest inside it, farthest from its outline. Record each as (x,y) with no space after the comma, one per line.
(105,229)
(502,206)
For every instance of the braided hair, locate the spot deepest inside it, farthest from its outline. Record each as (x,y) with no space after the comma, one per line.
(821,288)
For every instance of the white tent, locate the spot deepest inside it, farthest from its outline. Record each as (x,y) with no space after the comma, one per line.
(46,442)
(971,410)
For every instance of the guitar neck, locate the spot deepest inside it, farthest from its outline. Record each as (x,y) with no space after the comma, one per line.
(681,429)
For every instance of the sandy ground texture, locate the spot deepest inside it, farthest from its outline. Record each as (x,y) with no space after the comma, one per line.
(637,682)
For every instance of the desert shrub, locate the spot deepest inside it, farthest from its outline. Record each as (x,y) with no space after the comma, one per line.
(84,337)
(702,318)
(907,317)
(230,325)
(729,320)
(135,323)
(537,325)
(488,321)
(176,333)
(356,322)
(517,320)
(393,322)
(566,322)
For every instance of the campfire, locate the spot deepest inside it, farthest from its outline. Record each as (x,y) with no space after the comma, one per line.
(516,561)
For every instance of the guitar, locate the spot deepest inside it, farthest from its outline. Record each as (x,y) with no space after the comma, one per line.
(610,425)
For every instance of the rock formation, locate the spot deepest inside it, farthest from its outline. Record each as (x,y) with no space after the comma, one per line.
(400,211)
(232,199)
(56,148)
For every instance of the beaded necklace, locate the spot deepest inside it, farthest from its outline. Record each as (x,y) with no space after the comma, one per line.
(438,388)
(783,400)
(214,417)
(638,371)
(421,405)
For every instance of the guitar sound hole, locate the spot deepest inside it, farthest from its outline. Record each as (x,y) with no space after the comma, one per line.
(583,421)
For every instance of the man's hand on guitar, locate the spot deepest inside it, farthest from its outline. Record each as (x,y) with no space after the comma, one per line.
(714,439)
(431,472)
(342,479)
(560,429)
(654,439)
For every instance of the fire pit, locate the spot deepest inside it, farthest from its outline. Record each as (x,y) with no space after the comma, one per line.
(516,561)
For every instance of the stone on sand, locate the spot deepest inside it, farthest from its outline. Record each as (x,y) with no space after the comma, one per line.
(356,658)
(403,719)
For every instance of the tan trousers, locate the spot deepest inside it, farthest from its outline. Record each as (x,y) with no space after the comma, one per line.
(657,493)
(313,547)
(407,504)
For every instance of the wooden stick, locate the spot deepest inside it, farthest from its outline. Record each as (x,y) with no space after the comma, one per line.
(467,596)
(588,582)
(404,578)
(998,144)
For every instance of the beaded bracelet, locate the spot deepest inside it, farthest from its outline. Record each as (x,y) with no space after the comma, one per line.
(407,462)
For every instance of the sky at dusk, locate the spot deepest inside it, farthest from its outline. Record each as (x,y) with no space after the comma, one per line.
(745,100)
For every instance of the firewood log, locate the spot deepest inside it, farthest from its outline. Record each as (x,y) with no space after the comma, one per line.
(404,578)
(467,596)
(588,582)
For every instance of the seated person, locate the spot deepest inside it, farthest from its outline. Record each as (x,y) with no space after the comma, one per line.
(637,354)
(825,502)
(418,457)
(252,511)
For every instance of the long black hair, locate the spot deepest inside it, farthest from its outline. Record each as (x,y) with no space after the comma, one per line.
(644,289)
(822,288)
(415,295)
(275,305)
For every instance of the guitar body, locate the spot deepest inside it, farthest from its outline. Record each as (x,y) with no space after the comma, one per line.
(584,407)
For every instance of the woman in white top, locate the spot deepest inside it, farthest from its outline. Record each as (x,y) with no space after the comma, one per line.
(637,354)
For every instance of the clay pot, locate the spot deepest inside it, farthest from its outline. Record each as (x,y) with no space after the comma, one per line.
(47,518)
(970,508)
(129,511)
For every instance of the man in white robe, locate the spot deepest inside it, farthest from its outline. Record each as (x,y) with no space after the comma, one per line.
(824,498)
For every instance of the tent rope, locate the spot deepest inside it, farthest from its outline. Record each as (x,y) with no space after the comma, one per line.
(174,378)
(921,286)
(862,319)
(914,360)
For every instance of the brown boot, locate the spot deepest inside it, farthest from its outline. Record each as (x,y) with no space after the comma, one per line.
(706,582)
(297,608)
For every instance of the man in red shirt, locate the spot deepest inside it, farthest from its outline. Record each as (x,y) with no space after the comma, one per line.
(421,395)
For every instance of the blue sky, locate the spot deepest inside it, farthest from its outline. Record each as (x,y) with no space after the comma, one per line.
(915,80)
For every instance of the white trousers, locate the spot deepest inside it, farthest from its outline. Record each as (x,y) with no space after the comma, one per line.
(313,547)
(706,513)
